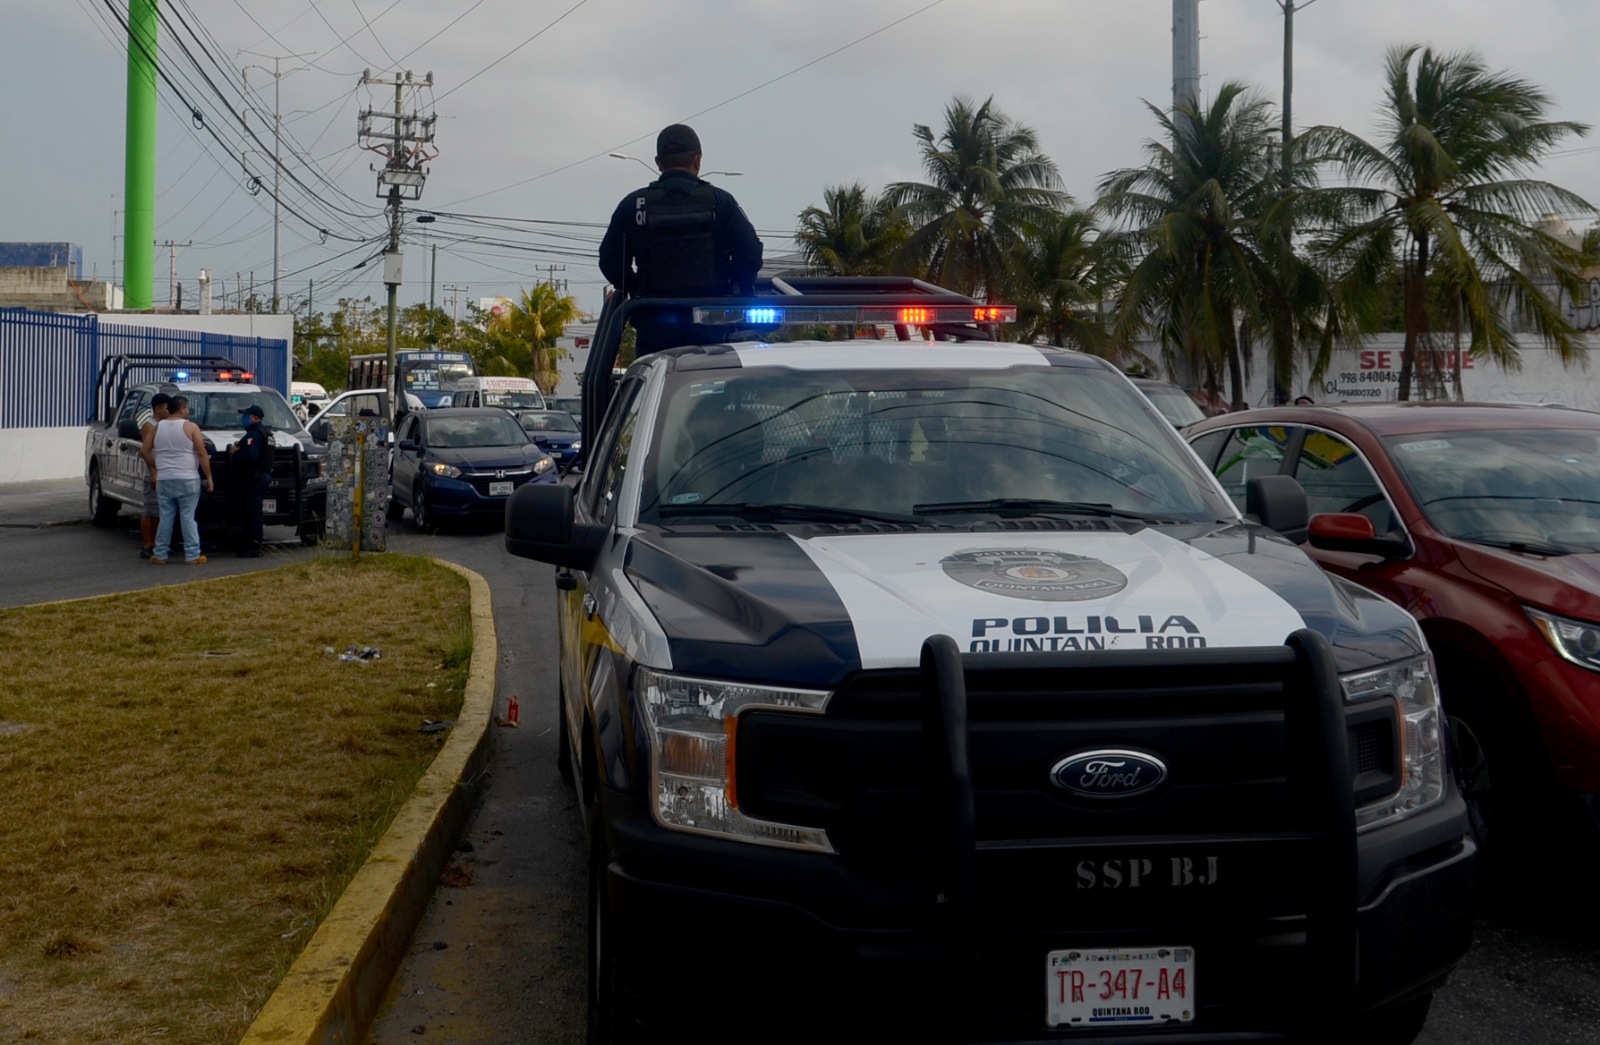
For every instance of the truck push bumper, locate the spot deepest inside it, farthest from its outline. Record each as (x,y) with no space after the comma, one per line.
(768,944)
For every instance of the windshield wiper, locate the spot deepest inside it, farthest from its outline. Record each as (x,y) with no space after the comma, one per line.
(1533,547)
(1013,506)
(776,512)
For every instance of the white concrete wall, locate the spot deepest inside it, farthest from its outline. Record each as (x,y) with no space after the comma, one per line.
(41,453)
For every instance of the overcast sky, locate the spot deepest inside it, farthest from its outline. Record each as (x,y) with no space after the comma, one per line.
(612,71)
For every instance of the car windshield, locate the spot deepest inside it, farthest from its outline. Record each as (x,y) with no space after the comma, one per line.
(1538,487)
(548,421)
(433,375)
(1174,404)
(929,442)
(512,400)
(222,409)
(487,429)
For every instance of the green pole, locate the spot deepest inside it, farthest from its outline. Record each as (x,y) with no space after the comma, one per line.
(139,166)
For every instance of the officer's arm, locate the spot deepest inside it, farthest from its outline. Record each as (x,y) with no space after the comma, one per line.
(744,248)
(614,247)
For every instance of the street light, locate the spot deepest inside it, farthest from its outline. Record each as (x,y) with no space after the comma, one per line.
(652,170)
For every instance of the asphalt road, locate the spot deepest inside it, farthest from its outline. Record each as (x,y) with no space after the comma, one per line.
(499,957)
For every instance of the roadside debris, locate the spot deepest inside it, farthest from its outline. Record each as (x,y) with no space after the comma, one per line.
(513,716)
(430,726)
(354,654)
(11,729)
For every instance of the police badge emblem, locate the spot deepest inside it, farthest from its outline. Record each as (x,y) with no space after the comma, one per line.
(1034,573)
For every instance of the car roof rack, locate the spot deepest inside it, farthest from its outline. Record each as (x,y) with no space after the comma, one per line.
(116,374)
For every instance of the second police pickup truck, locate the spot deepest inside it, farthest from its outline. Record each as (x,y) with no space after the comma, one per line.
(928,686)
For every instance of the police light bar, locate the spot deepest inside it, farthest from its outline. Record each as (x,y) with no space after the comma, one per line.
(834,315)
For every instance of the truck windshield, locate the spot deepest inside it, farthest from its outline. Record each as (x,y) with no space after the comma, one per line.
(222,409)
(891,441)
(1538,488)
(433,375)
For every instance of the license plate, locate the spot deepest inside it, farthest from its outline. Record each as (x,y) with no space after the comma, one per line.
(1120,986)
(269,504)
(500,489)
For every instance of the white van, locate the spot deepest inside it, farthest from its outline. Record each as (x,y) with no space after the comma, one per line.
(309,396)
(511,393)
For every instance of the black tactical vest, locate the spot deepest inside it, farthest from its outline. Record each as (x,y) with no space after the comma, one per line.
(675,242)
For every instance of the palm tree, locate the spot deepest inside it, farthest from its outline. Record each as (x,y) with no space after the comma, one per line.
(852,234)
(522,339)
(987,182)
(1444,197)
(1213,220)
(1062,267)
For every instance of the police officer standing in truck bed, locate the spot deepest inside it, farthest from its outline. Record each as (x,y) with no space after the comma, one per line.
(679,236)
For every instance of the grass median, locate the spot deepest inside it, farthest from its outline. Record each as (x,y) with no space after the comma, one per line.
(190,780)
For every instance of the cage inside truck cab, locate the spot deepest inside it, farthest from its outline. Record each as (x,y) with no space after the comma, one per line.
(920,683)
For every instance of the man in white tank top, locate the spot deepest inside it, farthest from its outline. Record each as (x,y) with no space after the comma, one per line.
(180,457)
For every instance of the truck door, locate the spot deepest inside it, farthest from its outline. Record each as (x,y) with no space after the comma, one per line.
(126,472)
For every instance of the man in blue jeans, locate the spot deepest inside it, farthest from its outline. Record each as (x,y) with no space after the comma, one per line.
(177,460)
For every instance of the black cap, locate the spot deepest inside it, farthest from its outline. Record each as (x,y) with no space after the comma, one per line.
(677,139)
(255,411)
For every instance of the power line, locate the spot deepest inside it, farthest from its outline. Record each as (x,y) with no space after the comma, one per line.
(559,18)
(440,33)
(371,32)
(712,108)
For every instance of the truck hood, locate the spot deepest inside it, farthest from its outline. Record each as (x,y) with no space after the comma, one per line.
(812,605)
(222,438)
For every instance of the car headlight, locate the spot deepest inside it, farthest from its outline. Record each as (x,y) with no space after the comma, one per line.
(1410,684)
(694,725)
(1576,640)
(577,444)
(449,471)
(544,465)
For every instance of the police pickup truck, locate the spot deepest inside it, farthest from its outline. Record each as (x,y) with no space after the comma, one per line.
(927,687)
(218,390)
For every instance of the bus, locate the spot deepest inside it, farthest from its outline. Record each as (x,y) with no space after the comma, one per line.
(429,375)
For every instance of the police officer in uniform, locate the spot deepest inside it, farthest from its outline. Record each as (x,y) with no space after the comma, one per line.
(679,236)
(249,475)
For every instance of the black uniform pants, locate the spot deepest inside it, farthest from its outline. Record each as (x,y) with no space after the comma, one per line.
(247,515)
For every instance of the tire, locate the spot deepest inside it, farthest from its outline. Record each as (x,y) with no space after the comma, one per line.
(421,518)
(102,509)
(1490,727)
(563,741)
(603,1026)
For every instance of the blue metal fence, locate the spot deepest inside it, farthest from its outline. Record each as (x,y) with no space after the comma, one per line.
(49,360)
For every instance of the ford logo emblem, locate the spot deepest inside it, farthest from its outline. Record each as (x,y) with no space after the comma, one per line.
(1109,773)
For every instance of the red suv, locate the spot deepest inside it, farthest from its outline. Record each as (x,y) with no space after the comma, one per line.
(1483,522)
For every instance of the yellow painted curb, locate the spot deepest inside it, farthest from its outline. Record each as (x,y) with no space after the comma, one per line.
(331,993)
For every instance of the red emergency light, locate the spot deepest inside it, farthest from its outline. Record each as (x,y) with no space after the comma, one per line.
(916,317)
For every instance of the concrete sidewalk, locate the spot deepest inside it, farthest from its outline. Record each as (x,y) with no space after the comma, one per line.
(44,502)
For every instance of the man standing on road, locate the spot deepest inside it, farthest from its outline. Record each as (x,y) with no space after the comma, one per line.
(249,475)
(147,420)
(180,459)
(679,236)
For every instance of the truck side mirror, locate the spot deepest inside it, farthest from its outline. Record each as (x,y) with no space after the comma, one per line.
(541,524)
(1279,503)
(1351,532)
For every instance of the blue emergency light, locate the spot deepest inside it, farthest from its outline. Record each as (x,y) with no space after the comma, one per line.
(763,316)
(182,375)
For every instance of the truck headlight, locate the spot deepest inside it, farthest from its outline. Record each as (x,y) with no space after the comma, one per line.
(1410,684)
(1576,640)
(694,725)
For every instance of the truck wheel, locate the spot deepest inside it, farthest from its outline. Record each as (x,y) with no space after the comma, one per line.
(603,1021)
(102,509)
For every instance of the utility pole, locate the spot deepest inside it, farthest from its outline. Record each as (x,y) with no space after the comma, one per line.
(403,142)
(139,160)
(172,269)
(455,305)
(277,154)
(433,286)
(1185,53)
(553,269)
(1289,7)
